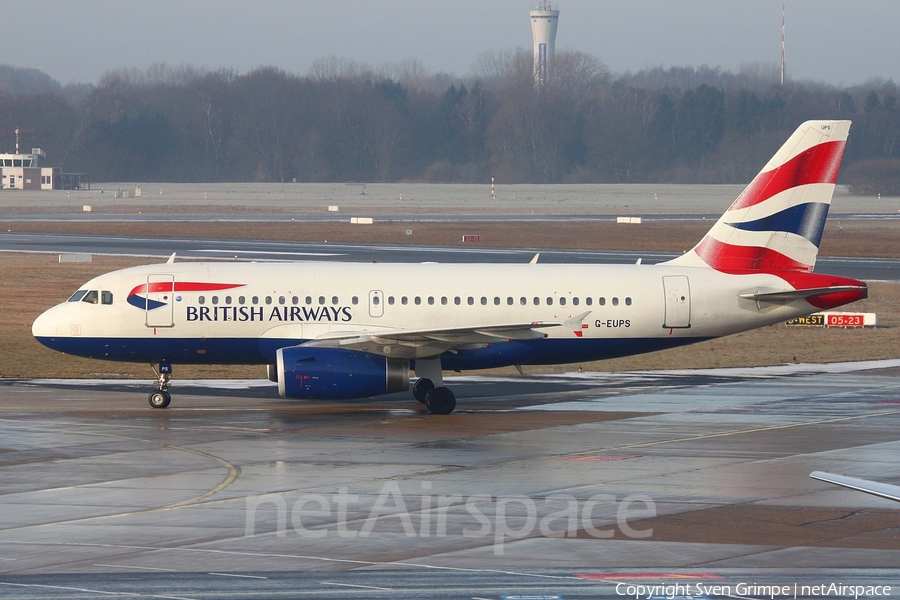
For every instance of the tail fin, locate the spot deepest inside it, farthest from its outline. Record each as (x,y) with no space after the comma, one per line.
(776,224)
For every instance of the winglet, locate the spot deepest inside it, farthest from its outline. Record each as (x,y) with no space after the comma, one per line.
(171,259)
(577,320)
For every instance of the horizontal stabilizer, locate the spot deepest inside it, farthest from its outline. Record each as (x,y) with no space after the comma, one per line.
(791,295)
(883,490)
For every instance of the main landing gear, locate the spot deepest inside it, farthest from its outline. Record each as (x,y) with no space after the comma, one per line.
(430,390)
(161,398)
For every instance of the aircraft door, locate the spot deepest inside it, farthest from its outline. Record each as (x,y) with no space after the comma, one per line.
(376,303)
(678,302)
(160,301)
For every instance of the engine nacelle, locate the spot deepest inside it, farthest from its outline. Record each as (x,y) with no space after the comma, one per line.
(331,374)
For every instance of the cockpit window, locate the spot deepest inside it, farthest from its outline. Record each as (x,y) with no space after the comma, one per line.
(77,296)
(92,297)
(106,297)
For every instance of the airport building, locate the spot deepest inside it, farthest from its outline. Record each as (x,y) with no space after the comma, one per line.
(23,172)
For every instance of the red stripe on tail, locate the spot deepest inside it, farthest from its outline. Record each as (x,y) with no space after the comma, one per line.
(742,259)
(819,164)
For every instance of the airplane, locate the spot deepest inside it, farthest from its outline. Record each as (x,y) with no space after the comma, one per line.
(352,330)
(876,488)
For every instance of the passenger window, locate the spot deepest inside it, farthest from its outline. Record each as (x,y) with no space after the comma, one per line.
(483,301)
(255,300)
(215,299)
(308,300)
(280,299)
(404,300)
(470,301)
(589,301)
(77,296)
(106,297)
(537,301)
(295,300)
(91,297)
(627,301)
(241,300)
(549,301)
(201,300)
(496,300)
(575,301)
(321,300)
(602,301)
(355,300)
(444,300)
(418,301)
(268,299)
(562,301)
(430,300)
(457,301)
(227,299)
(391,300)
(334,300)
(615,301)
(376,300)
(509,301)
(523,300)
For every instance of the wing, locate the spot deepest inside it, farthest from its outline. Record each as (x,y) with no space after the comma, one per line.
(884,490)
(424,343)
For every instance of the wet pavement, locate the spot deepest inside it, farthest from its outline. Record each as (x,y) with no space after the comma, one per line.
(585,477)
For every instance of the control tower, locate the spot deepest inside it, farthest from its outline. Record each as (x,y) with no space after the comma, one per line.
(543,27)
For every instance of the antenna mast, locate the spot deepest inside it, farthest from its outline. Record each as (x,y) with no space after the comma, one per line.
(18,131)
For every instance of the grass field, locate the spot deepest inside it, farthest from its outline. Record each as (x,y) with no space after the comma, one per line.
(36,282)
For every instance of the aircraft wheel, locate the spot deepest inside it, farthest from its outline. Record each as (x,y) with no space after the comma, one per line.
(421,388)
(159,399)
(440,401)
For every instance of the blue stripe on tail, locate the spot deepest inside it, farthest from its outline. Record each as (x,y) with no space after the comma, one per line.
(805,220)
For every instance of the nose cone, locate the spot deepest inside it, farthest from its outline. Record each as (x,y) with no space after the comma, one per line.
(47,325)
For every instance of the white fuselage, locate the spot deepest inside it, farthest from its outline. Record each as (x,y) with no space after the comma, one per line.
(241,313)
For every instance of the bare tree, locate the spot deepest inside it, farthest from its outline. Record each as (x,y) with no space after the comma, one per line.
(334,67)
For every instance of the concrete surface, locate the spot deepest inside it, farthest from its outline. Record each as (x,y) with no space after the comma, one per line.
(533,476)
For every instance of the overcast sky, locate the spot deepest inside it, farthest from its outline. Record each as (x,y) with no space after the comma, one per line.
(843,42)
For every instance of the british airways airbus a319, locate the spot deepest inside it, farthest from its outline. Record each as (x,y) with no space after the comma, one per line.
(329,331)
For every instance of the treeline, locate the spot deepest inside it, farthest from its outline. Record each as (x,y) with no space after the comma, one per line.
(344,121)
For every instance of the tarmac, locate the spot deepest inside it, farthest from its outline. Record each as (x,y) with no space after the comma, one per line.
(545,484)
(862,267)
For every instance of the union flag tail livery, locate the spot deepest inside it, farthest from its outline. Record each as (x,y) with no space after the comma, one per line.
(345,330)
(776,224)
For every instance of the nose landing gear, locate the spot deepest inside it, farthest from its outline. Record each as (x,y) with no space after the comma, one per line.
(160,398)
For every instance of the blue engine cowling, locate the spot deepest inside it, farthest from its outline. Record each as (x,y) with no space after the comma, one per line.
(331,374)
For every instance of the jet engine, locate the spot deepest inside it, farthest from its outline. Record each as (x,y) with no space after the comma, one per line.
(332,374)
